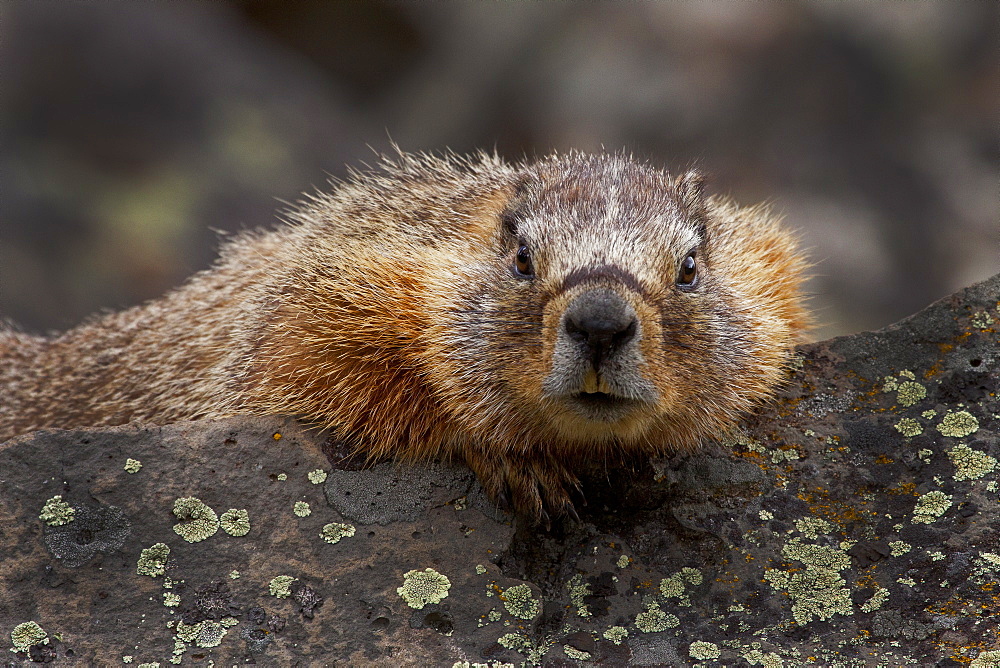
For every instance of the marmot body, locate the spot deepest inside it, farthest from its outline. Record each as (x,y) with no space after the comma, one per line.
(522,317)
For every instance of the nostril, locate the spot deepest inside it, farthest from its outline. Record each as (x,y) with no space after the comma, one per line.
(625,335)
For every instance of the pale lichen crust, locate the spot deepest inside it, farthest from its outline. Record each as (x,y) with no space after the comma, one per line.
(235,522)
(422,587)
(57,512)
(198,520)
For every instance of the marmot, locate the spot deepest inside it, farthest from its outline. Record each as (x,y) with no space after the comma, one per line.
(523,317)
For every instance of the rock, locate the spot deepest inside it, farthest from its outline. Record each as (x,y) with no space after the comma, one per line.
(854,521)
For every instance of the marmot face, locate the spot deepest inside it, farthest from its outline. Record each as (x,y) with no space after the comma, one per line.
(620,325)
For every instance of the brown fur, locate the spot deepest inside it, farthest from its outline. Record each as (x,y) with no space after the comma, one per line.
(389,311)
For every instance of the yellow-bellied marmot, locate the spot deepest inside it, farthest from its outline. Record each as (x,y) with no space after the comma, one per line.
(523,317)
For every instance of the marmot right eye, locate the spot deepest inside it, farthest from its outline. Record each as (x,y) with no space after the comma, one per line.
(522,262)
(688,272)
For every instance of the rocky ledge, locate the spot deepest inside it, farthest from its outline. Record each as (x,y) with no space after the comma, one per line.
(855,523)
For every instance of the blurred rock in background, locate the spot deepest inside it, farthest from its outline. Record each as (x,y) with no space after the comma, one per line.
(132,133)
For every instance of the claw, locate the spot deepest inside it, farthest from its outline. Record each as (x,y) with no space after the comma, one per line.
(570,510)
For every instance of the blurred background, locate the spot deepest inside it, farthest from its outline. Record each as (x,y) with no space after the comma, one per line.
(131,133)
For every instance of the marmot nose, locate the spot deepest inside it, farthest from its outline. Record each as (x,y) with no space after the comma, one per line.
(602,322)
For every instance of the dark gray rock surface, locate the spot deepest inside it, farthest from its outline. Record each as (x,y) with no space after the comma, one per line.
(853,523)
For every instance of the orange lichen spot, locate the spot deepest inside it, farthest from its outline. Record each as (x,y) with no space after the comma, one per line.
(276,436)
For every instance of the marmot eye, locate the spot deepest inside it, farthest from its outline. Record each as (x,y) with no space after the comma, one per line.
(688,272)
(523,262)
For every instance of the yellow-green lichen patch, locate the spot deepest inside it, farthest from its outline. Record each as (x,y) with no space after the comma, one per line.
(132,465)
(958,424)
(234,575)
(302,509)
(756,657)
(423,587)
(317,477)
(935,555)
(929,414)
(879,598)
(516,642)
(198,521)
(153,560)
(281,586)
(616,634)
(334,531)
(910,393)
(207,633)
(931,506)
(674,585)
(813,527)
(988,658)
(909,427)
(480,569)
(154,664)
(898,548)
(982,319)
(282,477)
(654,620)
(56,512)
(623,561)
(818,591)
(766,515)
(519,601)
(578,591)
(703,651)
(27,634)
(235,522)
(971,464)
(575,653)
(925,455)
(171,600)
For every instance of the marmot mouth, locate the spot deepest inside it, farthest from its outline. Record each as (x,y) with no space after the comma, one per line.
(601,406)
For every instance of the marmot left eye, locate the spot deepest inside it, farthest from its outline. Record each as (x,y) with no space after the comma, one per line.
(523,262)
(688,272)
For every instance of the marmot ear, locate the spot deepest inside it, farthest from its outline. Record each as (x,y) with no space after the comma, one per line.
(690,188)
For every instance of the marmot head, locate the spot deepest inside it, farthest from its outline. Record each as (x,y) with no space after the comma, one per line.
(622,307)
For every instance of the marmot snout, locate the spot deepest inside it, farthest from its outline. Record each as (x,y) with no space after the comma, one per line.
(523,317)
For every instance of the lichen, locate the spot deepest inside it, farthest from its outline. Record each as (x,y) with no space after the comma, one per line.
(282,477)
(909,427)
(302,509)
(971,464)
(317,477)
(988,658)
(909,393)
(756,657)
(898,548)
(57,512)
(280,586)
(812,527)
(235,522)
(25,635)
(519,601)
(616,634)
(423,587)
(981,319)
(623,561)
(654,620)
(234,575)
(171,600)
(818,591)
(876,601)
(132,465)
(480,569)
(931,506)
(578,590)
(575,653)
(198,521)
(702,650)
(958,424)
(333,532)
(207,633)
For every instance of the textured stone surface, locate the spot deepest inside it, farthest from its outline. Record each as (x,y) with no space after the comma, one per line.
(855,523)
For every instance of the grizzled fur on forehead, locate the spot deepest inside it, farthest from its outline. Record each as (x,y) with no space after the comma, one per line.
(581,211)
